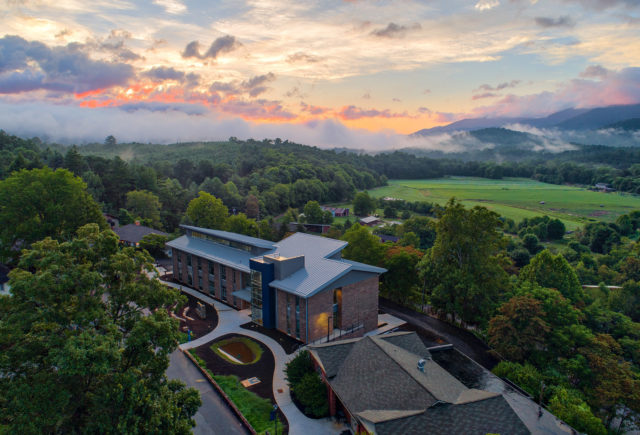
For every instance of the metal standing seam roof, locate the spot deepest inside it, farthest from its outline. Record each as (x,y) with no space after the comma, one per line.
(235,237)
(222,254)
(319,270)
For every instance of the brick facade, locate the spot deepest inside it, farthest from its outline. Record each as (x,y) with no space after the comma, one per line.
(217,294)
(360,304)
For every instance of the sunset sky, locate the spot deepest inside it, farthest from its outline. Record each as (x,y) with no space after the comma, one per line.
(323,73)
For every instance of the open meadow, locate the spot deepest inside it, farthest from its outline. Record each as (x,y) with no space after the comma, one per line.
(516,198)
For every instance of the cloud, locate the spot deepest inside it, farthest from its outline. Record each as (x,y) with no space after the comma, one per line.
(223,44)
(425,110)
(352,112)
(615,88)
(256,85)
(563,21)
(485,5)
(366,96)
(28,66)
(162,73)
(605,4)
(394,30)
(485,95)
(302,58)
(498,87)
(115,43)
(314,110)
(174,7)
(595,71)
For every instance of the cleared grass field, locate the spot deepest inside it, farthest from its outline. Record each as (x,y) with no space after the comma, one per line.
(516,198)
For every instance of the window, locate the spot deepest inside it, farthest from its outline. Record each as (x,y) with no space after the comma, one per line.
(256,297)
(288,315)
(211,272)
(223,291)
(297,317)
(199,264)
(189,278)
(188,259)
(337,305)
(200,283)
(223,272)
(233,276)
(212,287)
(235,303)
(179,272)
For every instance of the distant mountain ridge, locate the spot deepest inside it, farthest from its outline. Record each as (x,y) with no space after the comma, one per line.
(568,119)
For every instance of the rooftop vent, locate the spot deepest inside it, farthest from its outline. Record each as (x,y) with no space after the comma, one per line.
(421,363)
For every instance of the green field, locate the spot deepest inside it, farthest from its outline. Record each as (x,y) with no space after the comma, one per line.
(517,198)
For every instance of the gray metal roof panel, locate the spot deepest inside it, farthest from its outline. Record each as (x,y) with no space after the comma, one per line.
(235,258)
(313,277)
(309,245)
(364,267)
(240,238)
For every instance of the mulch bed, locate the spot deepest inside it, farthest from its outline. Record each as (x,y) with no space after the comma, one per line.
(289,344)
(198,326)
(262,369)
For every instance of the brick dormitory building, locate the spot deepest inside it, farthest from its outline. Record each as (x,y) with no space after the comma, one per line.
(300,286)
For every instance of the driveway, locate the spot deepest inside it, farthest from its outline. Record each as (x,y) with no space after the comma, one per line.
(214,416)
(462,340)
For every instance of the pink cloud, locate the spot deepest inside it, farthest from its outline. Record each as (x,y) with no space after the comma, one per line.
(353,112)
(613,88)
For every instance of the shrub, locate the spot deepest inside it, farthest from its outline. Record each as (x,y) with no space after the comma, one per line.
(312,394)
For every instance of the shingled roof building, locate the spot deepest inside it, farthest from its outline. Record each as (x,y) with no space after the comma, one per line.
(300,285)
(389,384)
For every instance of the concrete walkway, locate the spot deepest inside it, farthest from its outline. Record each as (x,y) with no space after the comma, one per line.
(229,321)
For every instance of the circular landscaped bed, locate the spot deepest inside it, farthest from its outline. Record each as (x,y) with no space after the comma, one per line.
(238,350)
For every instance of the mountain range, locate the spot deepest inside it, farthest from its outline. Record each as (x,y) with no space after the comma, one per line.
(623,116)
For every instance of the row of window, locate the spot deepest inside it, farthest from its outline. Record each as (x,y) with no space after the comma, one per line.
(297,300)
(220,241)
(211,278)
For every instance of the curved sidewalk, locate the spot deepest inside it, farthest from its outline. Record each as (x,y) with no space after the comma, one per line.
(229,321)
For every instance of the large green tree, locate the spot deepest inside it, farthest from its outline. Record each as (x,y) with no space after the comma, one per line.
(553,271)
(85,342)
(207,211)
(363,204)
(146,205)
(519,328)
(463,270)
(41,202)
(363,246)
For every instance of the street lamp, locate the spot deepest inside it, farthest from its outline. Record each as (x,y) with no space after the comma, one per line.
(274,416)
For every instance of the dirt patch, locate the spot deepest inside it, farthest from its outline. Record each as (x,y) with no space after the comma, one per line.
(189,318)
(599,213)
(289,344)
(239,351)
(262,369)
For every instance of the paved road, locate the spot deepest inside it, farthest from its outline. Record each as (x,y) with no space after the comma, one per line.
(214,416)
(462,340)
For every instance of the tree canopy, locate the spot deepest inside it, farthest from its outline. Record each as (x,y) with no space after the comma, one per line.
(207,211)
(462,269)
(85,342)
(40,203)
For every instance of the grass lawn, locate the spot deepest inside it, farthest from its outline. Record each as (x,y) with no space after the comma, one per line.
(254,408)
(251,346)
(517,198)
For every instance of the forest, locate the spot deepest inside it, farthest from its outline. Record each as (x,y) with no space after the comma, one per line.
(560,311)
